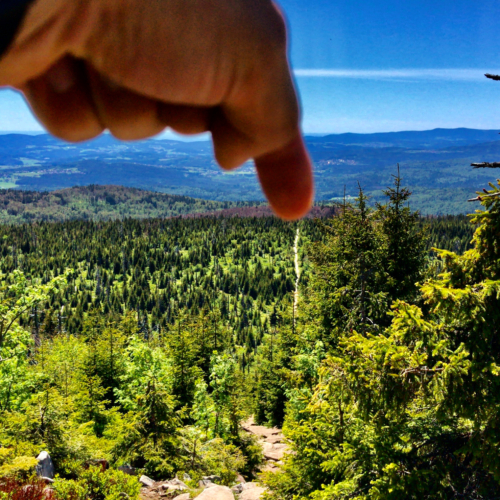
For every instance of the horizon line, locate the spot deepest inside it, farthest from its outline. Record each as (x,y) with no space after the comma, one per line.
(443,74)
(201,138)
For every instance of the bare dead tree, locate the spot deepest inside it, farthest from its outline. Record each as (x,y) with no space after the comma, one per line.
(487,164)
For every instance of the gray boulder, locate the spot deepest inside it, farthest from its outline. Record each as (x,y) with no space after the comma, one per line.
(173,485)
(146,481)
(45,467)
(177,482)
(184,496)
(237,488)
(252,491)
(216,493)
(206,483)
(214,478)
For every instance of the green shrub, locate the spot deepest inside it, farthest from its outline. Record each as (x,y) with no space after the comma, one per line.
(20,467)
(93,484)
(224,460)
(253,453)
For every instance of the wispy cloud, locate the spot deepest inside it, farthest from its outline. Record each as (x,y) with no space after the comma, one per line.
(451,74)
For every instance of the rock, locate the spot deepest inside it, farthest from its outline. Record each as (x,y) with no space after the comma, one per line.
(211,478)
(274,451)
(270,467)
(128,469)
(274,439)
(45,467)
(251,491)
(237,488)
(249,486)
(240,479)
(261,431)
(177,482)
(146,481)
(216,493)
(172,486)
(206,483)
(184,496)
(186,477)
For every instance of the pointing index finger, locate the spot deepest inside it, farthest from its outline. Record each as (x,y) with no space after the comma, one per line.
(287,180)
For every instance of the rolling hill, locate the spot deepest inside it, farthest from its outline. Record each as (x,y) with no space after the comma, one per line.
(435,165)
(99,203)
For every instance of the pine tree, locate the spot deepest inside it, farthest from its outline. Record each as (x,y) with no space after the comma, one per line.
(411,411)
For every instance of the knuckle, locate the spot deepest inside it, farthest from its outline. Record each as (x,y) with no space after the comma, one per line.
(267,27)
(273,29)
(278,28)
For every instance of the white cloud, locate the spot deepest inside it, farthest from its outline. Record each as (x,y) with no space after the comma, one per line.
(450,74)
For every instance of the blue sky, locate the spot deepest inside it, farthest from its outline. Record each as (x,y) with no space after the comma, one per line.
(372,65)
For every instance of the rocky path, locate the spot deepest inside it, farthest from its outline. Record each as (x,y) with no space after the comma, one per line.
(274,446)
(273,443)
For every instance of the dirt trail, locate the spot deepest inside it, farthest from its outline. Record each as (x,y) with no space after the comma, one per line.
(273,443)
(297,274)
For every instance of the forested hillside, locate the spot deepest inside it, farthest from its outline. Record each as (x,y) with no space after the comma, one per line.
(434,163)
(99,203)
(239,270)
(230,272)
(149,342)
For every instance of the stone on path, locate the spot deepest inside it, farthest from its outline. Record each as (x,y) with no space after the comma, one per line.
(271,467)
(175,484)
(261,431)
(205,483)
(45,467)
(274,451)
(251,491)
(216,493)
(274,439)
(146,481)
(184,496)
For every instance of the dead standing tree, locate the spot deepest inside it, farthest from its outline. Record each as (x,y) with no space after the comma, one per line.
(487,194)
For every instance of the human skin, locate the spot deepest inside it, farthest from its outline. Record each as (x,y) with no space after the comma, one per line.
(135,67)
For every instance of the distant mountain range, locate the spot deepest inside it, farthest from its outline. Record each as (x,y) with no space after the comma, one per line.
(437,138)
(435,164)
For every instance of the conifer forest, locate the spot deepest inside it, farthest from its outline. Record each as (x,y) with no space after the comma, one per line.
(145,346)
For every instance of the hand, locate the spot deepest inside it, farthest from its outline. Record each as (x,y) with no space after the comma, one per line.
(136,67)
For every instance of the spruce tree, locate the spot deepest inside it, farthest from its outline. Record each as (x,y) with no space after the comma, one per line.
(411,411)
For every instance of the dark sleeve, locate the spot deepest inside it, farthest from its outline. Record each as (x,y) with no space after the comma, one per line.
(11,16)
